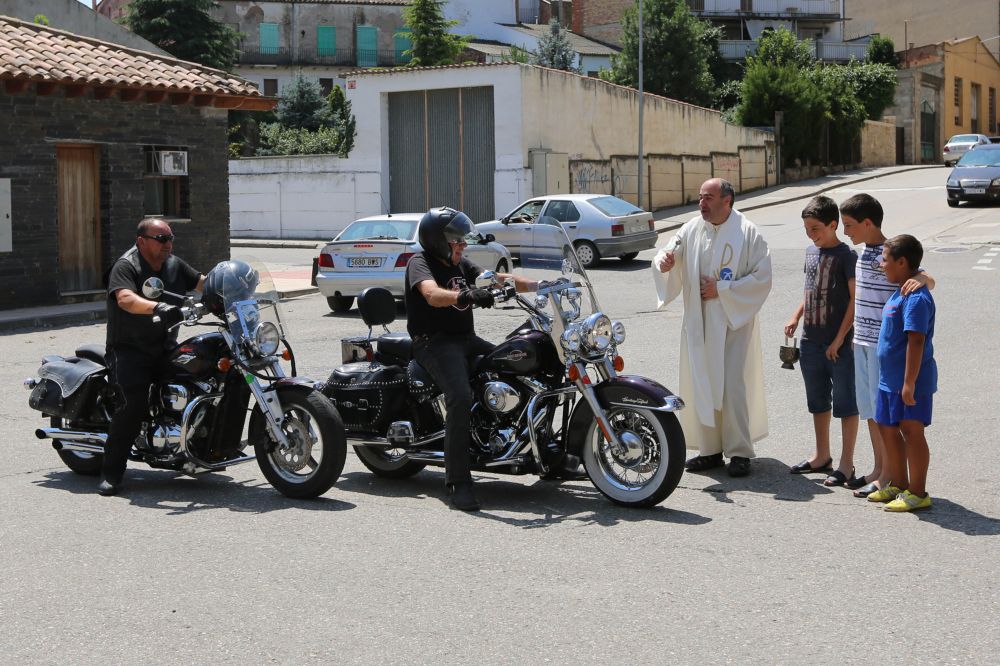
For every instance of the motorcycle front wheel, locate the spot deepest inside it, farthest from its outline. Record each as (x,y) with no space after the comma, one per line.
(651,464)
(316,451)
(81,462)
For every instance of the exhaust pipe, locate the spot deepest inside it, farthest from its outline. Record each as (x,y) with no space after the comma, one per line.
(73,440)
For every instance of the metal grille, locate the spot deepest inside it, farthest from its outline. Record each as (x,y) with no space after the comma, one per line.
(407,151)
(478,154)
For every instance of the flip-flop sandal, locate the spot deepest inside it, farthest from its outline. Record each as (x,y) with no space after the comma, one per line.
(865,491)
(805,468)
(856,482)
(837,478)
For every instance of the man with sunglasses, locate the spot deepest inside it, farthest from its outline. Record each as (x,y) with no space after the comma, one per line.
(136,345)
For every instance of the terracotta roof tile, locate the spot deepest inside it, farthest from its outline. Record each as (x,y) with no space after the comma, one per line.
(40,53)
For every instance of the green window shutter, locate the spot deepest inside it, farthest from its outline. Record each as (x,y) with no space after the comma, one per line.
(326,40)
(269,38)
(367,45)
(403,43)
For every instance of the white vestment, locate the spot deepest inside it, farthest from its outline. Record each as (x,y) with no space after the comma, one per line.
(721,376)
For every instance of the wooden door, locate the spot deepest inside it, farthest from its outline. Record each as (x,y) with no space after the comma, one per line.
(78,200)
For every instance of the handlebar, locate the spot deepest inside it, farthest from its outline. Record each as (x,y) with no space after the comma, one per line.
(190,313)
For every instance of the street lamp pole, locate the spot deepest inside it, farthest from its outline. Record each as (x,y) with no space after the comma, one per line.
(641,98)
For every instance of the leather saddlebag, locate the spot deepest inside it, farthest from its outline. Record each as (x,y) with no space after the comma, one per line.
(369,396)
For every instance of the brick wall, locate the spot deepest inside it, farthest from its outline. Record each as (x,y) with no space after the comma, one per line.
(600,19)
(30,128)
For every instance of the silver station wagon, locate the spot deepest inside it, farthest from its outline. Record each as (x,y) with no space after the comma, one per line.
(373,251)
(599,225)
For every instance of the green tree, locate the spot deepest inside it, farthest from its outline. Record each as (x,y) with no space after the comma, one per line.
(554,49)
(881,50)
(781,47)
(185,29)
(874,85)
(302,105)
(432,43)
(278,140)
(676,52)
(341,120)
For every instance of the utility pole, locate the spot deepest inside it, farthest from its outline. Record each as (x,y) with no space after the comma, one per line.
(641,97)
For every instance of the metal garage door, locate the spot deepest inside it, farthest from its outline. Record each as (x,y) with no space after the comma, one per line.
(441,151)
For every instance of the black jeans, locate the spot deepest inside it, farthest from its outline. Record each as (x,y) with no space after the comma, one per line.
(447,357)
(133,372)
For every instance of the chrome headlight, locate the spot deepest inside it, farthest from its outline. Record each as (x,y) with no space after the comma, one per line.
(267,338)
(996,182)
(570,340)
(597,332)
(952,182)
(618,332)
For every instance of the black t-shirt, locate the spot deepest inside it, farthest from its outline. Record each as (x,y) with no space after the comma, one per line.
(421,317)
(826,291)
(139,331)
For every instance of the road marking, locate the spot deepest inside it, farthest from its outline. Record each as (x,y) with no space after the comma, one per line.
(984,224)
(985,261)
(982,268)
(893,189)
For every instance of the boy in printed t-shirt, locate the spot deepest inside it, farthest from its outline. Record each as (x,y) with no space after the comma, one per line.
(907,380)
(862,216)
(827,360)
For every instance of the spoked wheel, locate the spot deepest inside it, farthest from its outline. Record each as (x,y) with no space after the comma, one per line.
(314,457)
(81,462)
(388,463)
(650,465)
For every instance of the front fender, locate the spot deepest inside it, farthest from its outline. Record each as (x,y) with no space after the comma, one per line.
(303,382)
(631,391)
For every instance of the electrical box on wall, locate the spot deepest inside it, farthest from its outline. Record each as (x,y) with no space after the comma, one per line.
(549,172)
(167,162)
(6,225)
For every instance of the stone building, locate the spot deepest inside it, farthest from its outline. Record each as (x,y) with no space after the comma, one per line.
(93,137)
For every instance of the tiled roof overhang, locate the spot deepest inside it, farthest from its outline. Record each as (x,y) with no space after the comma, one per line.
(50,60)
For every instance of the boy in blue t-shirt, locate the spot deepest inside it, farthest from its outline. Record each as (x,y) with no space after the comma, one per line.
(907,380)
(827,358)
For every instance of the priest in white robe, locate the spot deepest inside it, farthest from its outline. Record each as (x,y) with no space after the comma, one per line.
(720,265)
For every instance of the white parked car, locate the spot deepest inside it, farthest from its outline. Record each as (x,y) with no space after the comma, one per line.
(373,251)
(960,144)
(599,225)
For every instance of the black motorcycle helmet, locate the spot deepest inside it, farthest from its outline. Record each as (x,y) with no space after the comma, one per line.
(440,225)
(232,280)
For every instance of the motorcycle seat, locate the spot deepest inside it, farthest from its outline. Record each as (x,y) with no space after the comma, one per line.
(397,345)
(352,373)
(93,353)
(69,374)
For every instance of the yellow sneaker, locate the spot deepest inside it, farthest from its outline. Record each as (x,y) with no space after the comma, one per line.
(907,501)
(884,494)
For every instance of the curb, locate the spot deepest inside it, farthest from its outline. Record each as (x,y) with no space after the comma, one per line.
(53,320)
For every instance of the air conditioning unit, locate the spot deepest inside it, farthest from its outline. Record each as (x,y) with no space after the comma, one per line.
(169,162)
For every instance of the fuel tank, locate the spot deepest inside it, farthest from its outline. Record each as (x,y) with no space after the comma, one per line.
(524,352)
(198,356)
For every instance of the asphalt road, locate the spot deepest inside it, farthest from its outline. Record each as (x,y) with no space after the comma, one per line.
(773,568)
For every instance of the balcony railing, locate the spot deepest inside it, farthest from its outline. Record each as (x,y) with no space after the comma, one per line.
(810,8)
(254,55)
(739,49)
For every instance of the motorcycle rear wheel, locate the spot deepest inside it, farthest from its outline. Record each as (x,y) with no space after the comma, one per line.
(312,425)
(645,476)
(386,464)
(81,462)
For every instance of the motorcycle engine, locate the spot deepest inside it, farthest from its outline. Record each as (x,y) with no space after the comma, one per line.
(500,397)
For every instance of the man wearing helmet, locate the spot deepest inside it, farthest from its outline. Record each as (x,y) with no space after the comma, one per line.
(136,345)
(440,295)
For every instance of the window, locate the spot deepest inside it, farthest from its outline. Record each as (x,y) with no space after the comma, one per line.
(326,85)
(163,195)
(696,5)
(326,40)
(269,38)
(271,87)
(403,43)
(975,92)
(564,211)
(958,101)
(992,117)
(367,45)
(529,211)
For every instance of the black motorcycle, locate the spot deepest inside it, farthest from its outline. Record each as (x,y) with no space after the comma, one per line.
(197,415)
(547,398)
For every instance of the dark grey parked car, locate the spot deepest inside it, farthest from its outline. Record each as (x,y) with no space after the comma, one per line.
(976,177)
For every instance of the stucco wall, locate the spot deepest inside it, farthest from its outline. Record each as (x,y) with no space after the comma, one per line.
(970,61)
(878,144)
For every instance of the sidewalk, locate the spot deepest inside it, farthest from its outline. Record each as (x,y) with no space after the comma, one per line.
(291,284)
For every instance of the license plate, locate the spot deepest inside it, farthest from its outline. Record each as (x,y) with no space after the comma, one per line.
(975,190)
(365,262)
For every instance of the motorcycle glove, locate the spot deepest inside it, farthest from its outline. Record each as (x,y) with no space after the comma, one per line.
(169,314)
(481,298)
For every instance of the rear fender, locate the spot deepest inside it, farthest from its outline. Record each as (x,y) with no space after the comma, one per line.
(623,391)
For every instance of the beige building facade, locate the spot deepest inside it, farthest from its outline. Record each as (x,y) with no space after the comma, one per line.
(916,22)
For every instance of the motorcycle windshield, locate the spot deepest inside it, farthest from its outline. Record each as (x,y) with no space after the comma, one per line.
(251,303)
(548,256)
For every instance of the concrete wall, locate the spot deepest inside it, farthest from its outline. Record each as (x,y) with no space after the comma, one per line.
(878,144)
(72,16)
(300,196)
